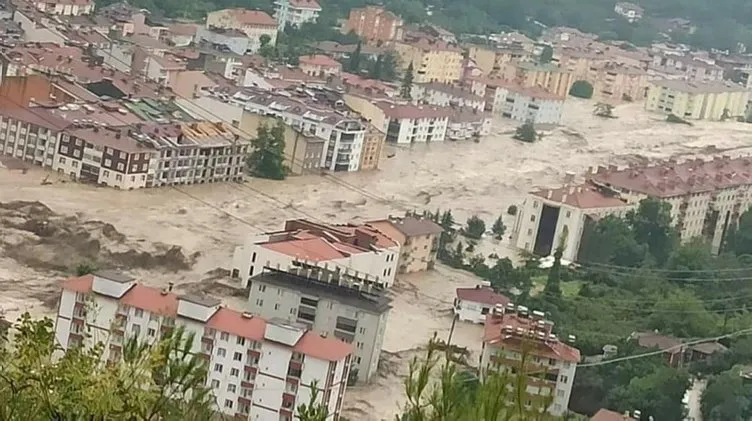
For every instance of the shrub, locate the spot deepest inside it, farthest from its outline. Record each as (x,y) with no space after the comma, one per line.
(581,89)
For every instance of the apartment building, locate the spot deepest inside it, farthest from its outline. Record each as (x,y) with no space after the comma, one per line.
(296,12)
(257,369)
(418,238)
(581,63)
(549,77)
(548,218)
(409,123)
(65,7)
(697,100)
(629,11)
(254,23)
(511,100)
(361,249)
(690,68)
(374,24)
(468,123)
(445,95)
(320,66)
(433,60)
(373,145)
(490,60)
(29,135)
(473,304)
(616,83)
(225,39)
(331,303)
(550,366)
(705,196)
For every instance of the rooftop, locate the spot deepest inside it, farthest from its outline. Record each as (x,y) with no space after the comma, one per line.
(608,415)
(251,17)
(319,60)
(312,249)
(305,4)
(152,300)
(413,227)
(456,91)
(514,331)
(585,196)
(671,178)
(412,111)
(483,295)
(375,302)
(696,87)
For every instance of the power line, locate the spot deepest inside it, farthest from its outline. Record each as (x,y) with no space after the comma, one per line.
(659,270)
(674,279)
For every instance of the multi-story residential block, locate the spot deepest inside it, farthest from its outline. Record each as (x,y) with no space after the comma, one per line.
(331,303)
(550,363)
(433,60)
(373,144)
(447,95)
(374,24)
(516,102)
(232,40)
(320,66)
(615,83)
(418,238)
(296,12)
(490,60)
(475,303)
(65,7)
(409,123)
(254,23)
(362,249)
(697,100)
(552,217)
(690,68)
(629,11)
(29,135)
(468,123)
(549,77)
(257,369)
(303,150)
(581,63)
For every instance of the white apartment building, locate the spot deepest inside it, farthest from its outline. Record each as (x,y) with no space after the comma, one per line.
(519,103)
(296,12)
(29,135)
(468,123)
(258,369)
(254,23)
(358,248)
(552,217)
(65,7)
(447,95)
(475,303)
(551,363)
(332,303)
(409,123)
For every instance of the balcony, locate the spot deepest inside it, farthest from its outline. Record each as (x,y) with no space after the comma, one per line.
(294,373)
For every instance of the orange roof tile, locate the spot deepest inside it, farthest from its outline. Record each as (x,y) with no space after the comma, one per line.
(319,60)
(555,349)
(79,284)
(153,300)
(231,321)
(305,4)
(330,349)
(585,196)
(483,295)
(607,415)
(315,249)
(253,17)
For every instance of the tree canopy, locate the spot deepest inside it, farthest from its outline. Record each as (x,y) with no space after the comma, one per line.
(267,159)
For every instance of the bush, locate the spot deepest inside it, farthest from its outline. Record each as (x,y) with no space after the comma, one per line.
(581,89)
(526,133)
(475,227)
(512,210)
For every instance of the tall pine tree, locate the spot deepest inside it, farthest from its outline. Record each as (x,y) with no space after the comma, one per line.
(407,83)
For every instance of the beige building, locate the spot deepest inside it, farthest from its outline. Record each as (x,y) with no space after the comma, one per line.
(492,60)
(303,150)
(419,239)
(615,83)
(254,23)
(331,303)
(697,100)
(319,65)
(433,60)
(373,144)
(549,77)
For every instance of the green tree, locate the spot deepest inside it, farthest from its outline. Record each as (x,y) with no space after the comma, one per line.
(739,236)
(581,89)
(163,381)
(407,83)
(498,228)
(651,225)
(475,227)
(266,50)
(727,398)
(267,158)
(85,269)
(552,290)
(313,410)
(546,54)
(526,132)
(353,65)
(658,394)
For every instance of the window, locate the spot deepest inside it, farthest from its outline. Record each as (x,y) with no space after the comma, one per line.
(151,332)
(259,302)
(224,336)
(569,213)
(262,288)
(136,329)
(107,162)
(61,160)
(215,384)
(532,218)
(563,379)
(530,231)
(139,313)
(360,345)
(218,368)
(78,142)
(237,356)
(560,393)
(74,164)
(221,352)
(228,403)
(120,166)
(362,330)
(231,388)
(234,372)
(118,177)
(276,306)
(241,341)
(253,258)
(106,173)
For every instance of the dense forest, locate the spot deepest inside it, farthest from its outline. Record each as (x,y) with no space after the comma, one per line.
(719,24)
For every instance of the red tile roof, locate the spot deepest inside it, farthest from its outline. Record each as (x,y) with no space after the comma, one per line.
(555,349)
(305,4)
(329,349)
(253,17)
(231,321)
(314,249)
(319,60)
(79,284)
(36,116)
(607,415)
(153,300)
(484,295)
(585,196)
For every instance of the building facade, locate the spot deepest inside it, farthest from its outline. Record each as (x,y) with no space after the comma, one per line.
(446,95)
(697,100)
(65,7)
(490,60)
(370,254)
(373,145)
(330,303)
(320,66)
(475,303)
(408,123)
(418,238)
(551,218)
(232,40)
(257,369)
(254,23)
(432,60)
(550,363)
(296,12)
(28,136)
(374,24)
(510,100)
(549,77)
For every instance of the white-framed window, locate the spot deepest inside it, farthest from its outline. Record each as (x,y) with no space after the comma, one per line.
(221,352)
(218,368)
(151,332)
(136,329)
(231,388)
(237,357)
(234,372)
(139,313)
(241,340)
(224,336)
(228,403)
